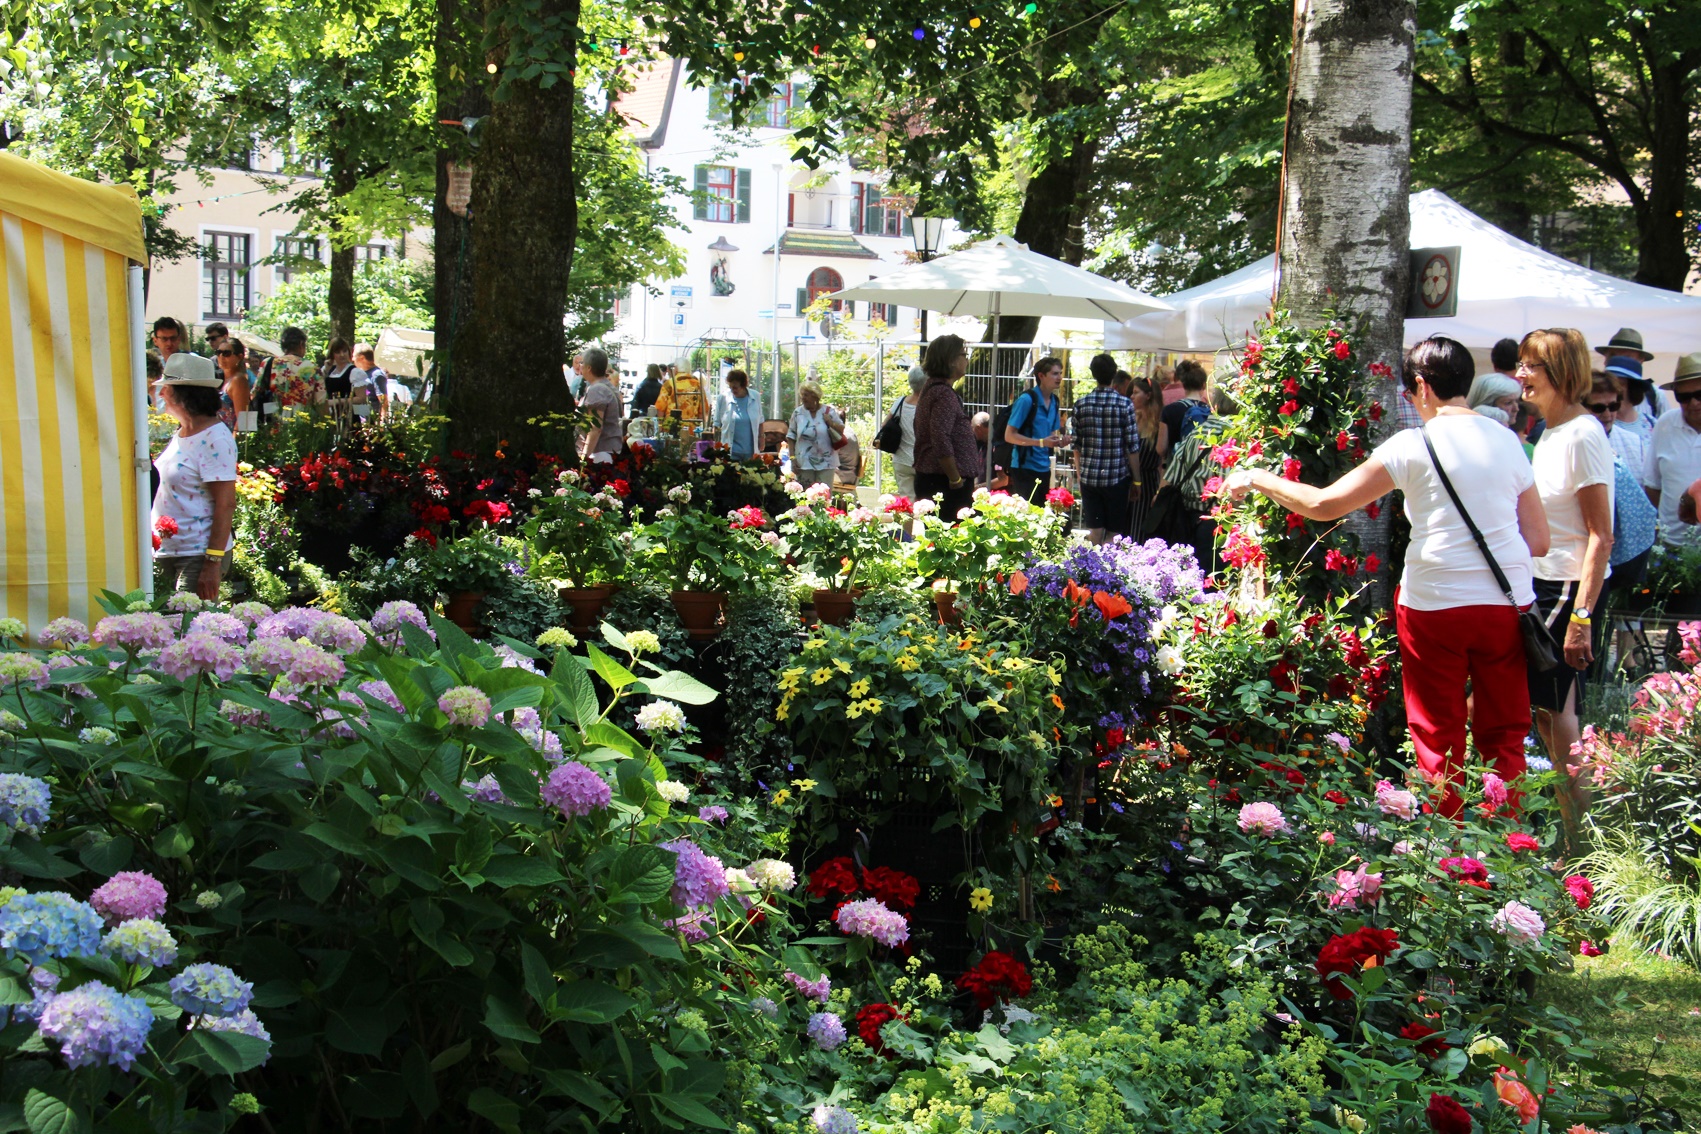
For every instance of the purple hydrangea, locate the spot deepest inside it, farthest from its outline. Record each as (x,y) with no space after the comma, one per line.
(206,989)
(833,1120)
(576,789)
(25,803)
(272,656)
(312,665)
(465,706)
(812,989)
(95,1025)
(388,621)
(712,813)
(381,691)
(64,634)
(198,653)
(39,926)
(870,917)
(244,1023)
(484,790)
(529,725)
(514,659)
(343,715)
(220,625)
(22,669)
(141,941)
(698,878)
(242,716)
(44,986)
(827,1030)
(143,630)
(694,925)
(252,613)
(129,894)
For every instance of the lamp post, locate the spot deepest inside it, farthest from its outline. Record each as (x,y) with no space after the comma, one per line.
(926,232)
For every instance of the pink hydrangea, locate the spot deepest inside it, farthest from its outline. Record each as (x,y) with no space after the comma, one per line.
(1262,819)
(64,633)
(1494,790)
(1355,886)
(388,620)
(1395,801)
(271,656)
(220,625)
(143,630)
(812,989)
(695,925)
(1518,923)
(314,666)
(871,917)
(127,895)
(576,789)
(381,691)
(199,653)
(698,878)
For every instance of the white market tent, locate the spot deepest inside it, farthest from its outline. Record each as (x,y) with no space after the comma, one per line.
(1506,287)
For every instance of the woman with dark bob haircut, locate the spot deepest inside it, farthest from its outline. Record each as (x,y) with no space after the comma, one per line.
(946,456)
(1456,625)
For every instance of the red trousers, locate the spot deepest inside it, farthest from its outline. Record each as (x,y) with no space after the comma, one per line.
(1440,651)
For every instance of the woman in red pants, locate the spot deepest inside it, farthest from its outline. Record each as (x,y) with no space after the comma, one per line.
(1458,629)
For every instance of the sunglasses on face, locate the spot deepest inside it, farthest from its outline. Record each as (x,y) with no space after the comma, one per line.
(225,353)
(1686,397)
(1604,407)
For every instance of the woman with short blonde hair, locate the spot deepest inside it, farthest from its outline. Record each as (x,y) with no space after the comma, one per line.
(815,432)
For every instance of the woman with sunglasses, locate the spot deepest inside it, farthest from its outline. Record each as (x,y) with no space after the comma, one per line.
(1574,473)
(232,358)
(1455,625)
(1634,520)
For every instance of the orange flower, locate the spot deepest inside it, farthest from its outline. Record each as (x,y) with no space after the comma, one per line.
(1111,606)
(1056,700)
(1052,884)
(1018,583)
(1076,593)
(1515,1094)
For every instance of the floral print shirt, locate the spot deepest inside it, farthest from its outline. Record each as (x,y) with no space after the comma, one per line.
(295,382)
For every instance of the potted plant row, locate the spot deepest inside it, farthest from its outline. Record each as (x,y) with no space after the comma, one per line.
(582,543)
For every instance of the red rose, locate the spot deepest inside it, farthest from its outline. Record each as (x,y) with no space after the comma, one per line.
(1346,953)
(1337,797)
(1446,1116)
(1582,890)
(998,976)
(1465,869)
(1289,408)
(835,876)
(1518,841)
(897,889)
(869,1020)
(1343,349)
(1432,1048)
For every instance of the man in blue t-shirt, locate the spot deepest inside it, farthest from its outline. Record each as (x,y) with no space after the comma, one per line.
(1035,428)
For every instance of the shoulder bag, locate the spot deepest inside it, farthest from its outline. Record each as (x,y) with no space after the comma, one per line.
(1540,650)
(891,436)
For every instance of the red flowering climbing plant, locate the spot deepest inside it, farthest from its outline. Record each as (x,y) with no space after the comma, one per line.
(1306,416)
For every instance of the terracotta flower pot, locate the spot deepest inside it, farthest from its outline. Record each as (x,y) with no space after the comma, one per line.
(587,603)
(945,602)
(461,609)
(701,612)
(835,607)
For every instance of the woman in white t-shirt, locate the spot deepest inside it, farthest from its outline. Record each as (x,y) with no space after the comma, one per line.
(1456,625)
(197,481)
(1573,466)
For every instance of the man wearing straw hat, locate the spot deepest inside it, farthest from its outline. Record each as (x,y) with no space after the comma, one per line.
(1674,453)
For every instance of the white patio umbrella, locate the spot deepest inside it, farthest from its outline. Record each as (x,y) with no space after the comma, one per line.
(1002,277)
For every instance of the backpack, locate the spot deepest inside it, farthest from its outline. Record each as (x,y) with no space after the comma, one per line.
(1197,413)
(1002,451)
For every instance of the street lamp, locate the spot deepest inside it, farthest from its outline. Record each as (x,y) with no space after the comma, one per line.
(926,232)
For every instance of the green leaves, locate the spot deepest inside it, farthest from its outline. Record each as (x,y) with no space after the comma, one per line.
(45,1114)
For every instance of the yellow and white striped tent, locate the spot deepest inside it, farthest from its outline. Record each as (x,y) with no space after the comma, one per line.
(73,409)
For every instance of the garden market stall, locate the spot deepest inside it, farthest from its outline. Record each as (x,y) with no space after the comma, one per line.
(73,442)
(1506,287)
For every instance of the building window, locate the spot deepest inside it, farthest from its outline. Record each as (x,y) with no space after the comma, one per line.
(720,103)
(721,193)
(297,255)
(870,217)
(824,281)
(881,311)
(367,254)
(224,275)
(780,104)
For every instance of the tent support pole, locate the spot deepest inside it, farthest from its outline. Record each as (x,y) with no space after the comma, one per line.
(139,422)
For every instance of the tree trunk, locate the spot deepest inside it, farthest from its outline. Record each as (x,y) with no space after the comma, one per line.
(1662,258)
(508,351)
(339,297)
(1346,224)
(460,96)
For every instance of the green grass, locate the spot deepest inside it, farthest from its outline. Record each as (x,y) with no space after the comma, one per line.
(1656,1027)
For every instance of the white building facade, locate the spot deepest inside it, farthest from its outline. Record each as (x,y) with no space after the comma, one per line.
(764,236)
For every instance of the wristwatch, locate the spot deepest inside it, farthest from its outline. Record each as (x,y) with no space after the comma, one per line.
(1580,614)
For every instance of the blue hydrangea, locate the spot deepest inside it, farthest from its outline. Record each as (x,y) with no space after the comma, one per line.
(40,926)
(96,1025)
(25,803)
(141,941)
(207,989)
(244,1022)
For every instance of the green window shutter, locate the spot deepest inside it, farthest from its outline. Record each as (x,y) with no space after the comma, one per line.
(874,219)
(743,196)
(906,224)
(700,193)
(802,300)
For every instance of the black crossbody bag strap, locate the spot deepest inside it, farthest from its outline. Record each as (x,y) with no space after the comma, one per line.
(1476,534)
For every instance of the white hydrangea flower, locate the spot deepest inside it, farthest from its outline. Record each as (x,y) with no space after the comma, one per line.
(673,791)
(661,716)
(772,874)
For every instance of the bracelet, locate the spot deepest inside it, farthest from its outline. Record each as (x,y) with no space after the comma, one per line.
(212,554)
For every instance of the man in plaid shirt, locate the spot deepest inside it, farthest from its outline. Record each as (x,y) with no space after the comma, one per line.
(1108,441)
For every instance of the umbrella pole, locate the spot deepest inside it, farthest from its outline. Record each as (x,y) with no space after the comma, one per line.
(991,441)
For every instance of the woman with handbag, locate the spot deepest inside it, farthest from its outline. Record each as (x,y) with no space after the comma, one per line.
(897,435)
(816,433)
(1459,606)
(1574,471)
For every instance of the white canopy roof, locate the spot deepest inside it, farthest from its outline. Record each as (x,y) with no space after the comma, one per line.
(1506,288)
(1000,276)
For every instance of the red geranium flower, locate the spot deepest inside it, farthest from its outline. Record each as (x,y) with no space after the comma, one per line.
(1431,1049)
(835,876)
(1060,498)
(1346,953)
(1114,738)
(897,889)
(870,1019)
(165,526)
(620,487)
(997,976)
(1446,1116)
(426,535)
